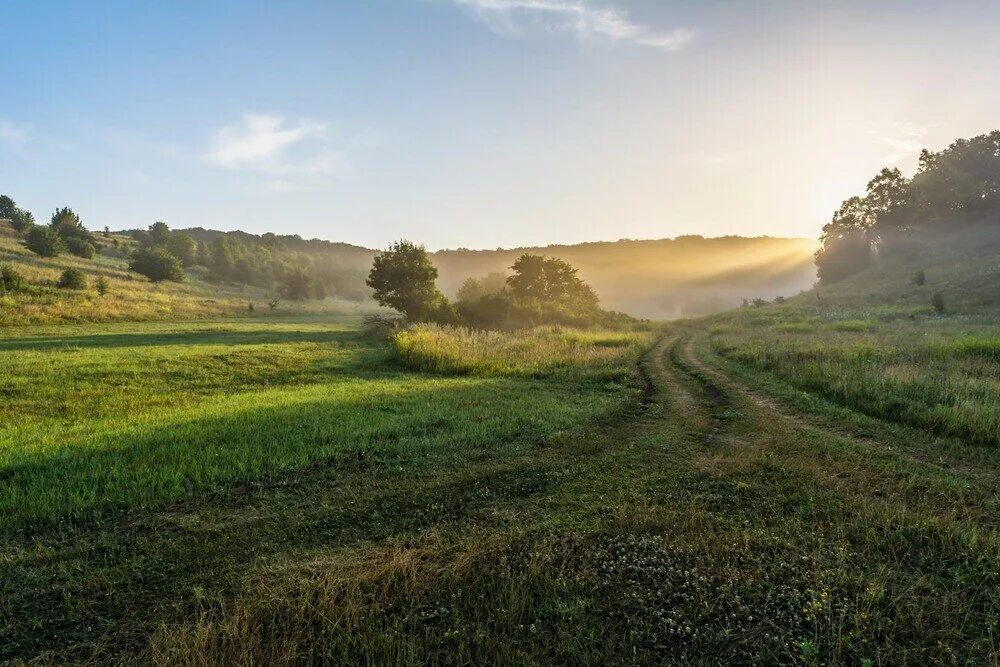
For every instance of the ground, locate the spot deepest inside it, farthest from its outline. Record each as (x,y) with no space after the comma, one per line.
(291,491)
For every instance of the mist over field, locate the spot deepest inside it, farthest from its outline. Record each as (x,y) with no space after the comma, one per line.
(262,403)
(662,279)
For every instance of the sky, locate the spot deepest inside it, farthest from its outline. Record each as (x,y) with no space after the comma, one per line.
(482,123)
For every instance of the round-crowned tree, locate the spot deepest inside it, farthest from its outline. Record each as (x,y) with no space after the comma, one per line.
(157,264)
(403,278)
(43,241)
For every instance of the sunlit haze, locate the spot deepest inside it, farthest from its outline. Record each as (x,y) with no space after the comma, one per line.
(482,123)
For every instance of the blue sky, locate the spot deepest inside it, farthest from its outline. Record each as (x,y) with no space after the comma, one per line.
(481,123)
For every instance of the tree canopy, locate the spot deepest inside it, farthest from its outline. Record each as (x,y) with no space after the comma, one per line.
(955,187)
(403,278)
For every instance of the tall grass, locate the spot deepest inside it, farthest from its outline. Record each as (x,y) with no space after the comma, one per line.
(537,352)
(938,374)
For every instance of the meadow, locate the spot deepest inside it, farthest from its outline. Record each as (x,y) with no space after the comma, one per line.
(295,490)
(940,374)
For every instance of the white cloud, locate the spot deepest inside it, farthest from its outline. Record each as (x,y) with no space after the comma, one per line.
(270,144)
(11,133)
(587,22)
(904,140)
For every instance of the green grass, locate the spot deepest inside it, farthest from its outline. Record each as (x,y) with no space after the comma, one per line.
(241,492)
(540,351)
(130,297)
(100,422)
(939,374)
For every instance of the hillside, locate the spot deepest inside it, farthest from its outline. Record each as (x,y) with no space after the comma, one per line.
(656,279)
(663,278)
(129,297)
(963,266)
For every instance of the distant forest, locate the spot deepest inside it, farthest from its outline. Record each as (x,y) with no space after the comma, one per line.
(689,275)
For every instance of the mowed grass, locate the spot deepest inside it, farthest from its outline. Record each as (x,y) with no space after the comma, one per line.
(100,420)
(941,374)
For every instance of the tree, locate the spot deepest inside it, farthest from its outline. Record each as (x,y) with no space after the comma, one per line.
(43,241)
(550,280)
(20,219)
(403,278)
(73,279)
(7,207)
(80,247)
(156,264)
(843,256)
(67,224)
(183,247)
(298,284)
(102,285)
(10,279)
(474,289)
(159,233)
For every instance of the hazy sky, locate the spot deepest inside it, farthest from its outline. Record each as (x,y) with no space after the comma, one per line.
(482,123)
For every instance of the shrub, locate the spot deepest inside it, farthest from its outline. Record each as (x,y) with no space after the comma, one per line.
(10,279)
(919,278)
(80,247)
(938,302)
(156,264)
(43,241)
(73,279)
(102,286)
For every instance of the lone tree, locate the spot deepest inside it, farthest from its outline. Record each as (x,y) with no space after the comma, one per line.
(403,278)
(43,241)
(550,280)
(157,264)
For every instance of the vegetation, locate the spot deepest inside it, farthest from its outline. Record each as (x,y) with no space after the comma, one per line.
(44,242)
(73,279)
(523,497)
(403,278)
(953,189)
(20,219)
(157,264)
(11,280)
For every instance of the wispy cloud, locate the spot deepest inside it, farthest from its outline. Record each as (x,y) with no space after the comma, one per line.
(904,140)
(270,144)
(588,22)
(12,134)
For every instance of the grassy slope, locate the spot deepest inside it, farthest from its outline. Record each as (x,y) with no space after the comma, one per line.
(130,297)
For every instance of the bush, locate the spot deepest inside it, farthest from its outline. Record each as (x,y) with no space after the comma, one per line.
(919,278)
(102,286)
(157,264)
(43,241)
(938,302)
(73,279)
(10,280)
(80,247)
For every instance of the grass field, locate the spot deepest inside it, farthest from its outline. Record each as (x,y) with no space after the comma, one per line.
(130,297)
(293,491)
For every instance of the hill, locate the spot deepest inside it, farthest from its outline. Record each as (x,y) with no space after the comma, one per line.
(128,297)
(963,266)
(663,278)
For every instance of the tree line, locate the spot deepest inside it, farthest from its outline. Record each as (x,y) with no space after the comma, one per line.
(951,189)
(540,290)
